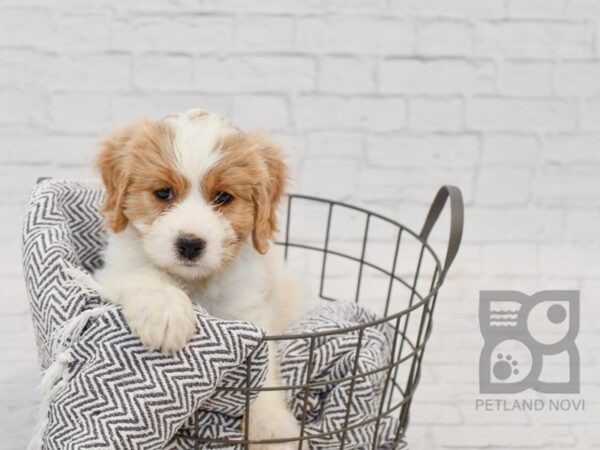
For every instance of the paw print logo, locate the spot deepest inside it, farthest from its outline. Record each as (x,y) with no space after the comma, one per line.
(505,367)
(523,332)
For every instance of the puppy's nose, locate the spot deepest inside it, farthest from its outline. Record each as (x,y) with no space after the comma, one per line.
(189,247)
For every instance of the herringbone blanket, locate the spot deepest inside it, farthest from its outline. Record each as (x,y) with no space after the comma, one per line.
(102,389)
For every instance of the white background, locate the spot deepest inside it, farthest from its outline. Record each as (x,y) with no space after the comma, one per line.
(378,102)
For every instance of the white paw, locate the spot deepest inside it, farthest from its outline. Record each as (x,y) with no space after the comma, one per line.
(273,423)
(163,318)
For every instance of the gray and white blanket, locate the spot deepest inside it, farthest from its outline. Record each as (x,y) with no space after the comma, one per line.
(102,389)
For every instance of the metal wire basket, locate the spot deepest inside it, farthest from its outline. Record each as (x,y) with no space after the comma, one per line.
(397,274)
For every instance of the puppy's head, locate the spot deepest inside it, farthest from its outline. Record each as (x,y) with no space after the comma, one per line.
(194,188)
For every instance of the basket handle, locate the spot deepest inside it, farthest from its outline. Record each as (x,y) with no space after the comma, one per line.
(456,221)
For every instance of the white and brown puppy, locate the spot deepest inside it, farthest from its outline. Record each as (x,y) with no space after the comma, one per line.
(191,209)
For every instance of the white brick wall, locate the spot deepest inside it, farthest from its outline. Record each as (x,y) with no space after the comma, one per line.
(378,103)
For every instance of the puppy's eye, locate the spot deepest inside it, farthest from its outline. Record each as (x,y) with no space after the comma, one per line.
(222,198)
(164,194)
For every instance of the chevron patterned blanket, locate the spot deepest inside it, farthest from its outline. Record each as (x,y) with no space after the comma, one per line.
(101,389)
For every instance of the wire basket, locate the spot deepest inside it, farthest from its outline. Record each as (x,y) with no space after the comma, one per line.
(396,274)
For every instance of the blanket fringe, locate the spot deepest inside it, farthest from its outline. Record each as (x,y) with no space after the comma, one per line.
(56,376)
(82,280)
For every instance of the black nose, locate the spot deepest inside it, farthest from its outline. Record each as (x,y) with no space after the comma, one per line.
(189,247)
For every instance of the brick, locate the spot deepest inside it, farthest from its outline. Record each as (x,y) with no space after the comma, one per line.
(355,35)
(457,8)
(415,185)
(18,3)
(178,33)
(571,149)
(436,114)
(494,418)
(17,187)
(577,187)
(547,9)
(314,171)
(570,260)
(582,227)
(420,433)
(84,31)
(534,39)
(12,216)
(588,435)
(25,371)
(445,38)
(346,75)
(343,113)
(376,7)
(460,372)
(261,111)
(443,392)
(18,396)
(437,76)
(486,225)
(437,414)
(99,6)
(583,8)
(20,420)
(24,67)
(24,149)
(159,72)
(26,27)
(326,144)
(424,151)
(264,33)
(509,149)
(19,107)
(510,259)
(589,289)
(90,72)
(590,115)
(550,282)
(255,73)
(503,186)
(527,78)
(524,283)
(80,112)
(578,78)
(158,6)
(17,182)
(132,107)
(507,114)
(454,360)
(265,6)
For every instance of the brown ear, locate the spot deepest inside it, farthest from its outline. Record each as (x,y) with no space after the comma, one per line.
(269,191)
(111,163)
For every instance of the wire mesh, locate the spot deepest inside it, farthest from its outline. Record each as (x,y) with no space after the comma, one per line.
(402,300)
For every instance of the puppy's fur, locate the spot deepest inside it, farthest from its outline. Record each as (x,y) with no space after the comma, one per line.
(195,156)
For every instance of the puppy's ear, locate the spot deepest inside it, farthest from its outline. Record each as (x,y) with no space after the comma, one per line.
(268,192)
(111,163)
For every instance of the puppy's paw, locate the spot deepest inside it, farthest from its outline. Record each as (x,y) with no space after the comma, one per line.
(163,318)
(273,423)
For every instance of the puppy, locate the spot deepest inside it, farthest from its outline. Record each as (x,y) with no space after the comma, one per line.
(191,210)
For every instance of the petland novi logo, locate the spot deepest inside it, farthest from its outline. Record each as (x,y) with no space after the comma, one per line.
(529,342)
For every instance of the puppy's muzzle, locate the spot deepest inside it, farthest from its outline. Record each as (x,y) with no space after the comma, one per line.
(189,247)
